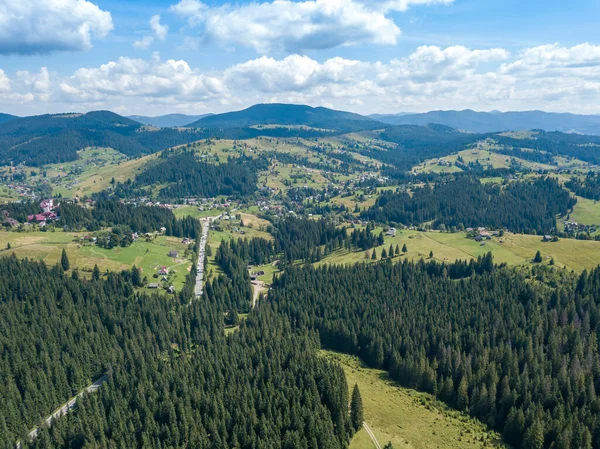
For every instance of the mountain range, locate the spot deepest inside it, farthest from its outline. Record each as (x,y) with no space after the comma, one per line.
(167,121)
(53,138)
(290,115)
(6,118)
(483,122)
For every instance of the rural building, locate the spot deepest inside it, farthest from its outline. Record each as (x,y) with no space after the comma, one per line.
(173,253)
(153,285)
(163,270)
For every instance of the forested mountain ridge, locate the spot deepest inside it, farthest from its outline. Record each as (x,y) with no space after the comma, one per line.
(46,139)
(290,115)
(484,122)
(6,118)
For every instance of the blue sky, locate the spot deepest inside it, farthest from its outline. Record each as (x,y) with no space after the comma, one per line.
(384,56)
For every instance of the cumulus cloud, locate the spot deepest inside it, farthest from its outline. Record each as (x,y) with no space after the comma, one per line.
(130,77)
(44,26)
(296,26)
(160,31)
(547,77)
(143,43)
(284,25)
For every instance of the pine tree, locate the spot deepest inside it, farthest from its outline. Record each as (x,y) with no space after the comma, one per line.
(374,254)
(64,260)
(462,395)
(136,276)
(404,249)
(356,409)
(431,254)
(96,273)
(538,257)
(534,436)
(397,253)
(391,251)
(383,254)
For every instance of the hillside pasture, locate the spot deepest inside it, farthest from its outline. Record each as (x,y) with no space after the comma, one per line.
(149,256)
(512,249)
(406,418)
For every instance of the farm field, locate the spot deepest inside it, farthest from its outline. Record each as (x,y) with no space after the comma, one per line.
(98,166)
(407,418)
(149,256)
(481,156)
(586,212)
(516,249)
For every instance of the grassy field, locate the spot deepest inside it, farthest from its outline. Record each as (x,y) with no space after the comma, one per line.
(184,211)
(407,418)
(586,212)
(149,256)
(516,249)
(482,156)
(91,172)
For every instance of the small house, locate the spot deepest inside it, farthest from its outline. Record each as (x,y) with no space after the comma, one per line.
(153,285)
(163,271)
(547,238)
(171,289)
(173,253)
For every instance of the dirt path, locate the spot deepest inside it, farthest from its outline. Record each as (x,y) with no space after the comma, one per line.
(372,435)
(257,287)
(66,408)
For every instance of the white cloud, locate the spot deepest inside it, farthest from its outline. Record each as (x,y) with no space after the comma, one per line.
(283,25)
(143,43)
(160,31)
(545,77)
(295,26)
(149,79)
(44,26)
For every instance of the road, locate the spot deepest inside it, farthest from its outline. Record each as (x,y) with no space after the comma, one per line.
(372,435)
(257,287)
(202,251)
(66,408)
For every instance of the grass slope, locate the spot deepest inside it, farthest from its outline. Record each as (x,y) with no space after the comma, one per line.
(516,249)
(407,418)
(149,256)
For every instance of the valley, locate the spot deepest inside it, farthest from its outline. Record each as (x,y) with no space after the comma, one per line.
(270,221)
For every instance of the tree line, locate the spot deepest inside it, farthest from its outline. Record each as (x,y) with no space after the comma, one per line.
(527,207)
(175,379)
(522,356)
(142,218)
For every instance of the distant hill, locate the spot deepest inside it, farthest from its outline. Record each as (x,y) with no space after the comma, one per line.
(290,115)
(45,139)
(6,118)
(483,122)
(167,121)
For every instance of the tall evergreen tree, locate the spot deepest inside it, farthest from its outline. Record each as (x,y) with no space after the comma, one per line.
(356,409)
(64,260)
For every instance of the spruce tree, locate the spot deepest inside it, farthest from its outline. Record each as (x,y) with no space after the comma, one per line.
(404,249)
(431,254)
(64,260)
(374,254)
(356,409)
(383,254)
(397,253)
(96,273)
(538,257)
(534,436)
(391,251)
